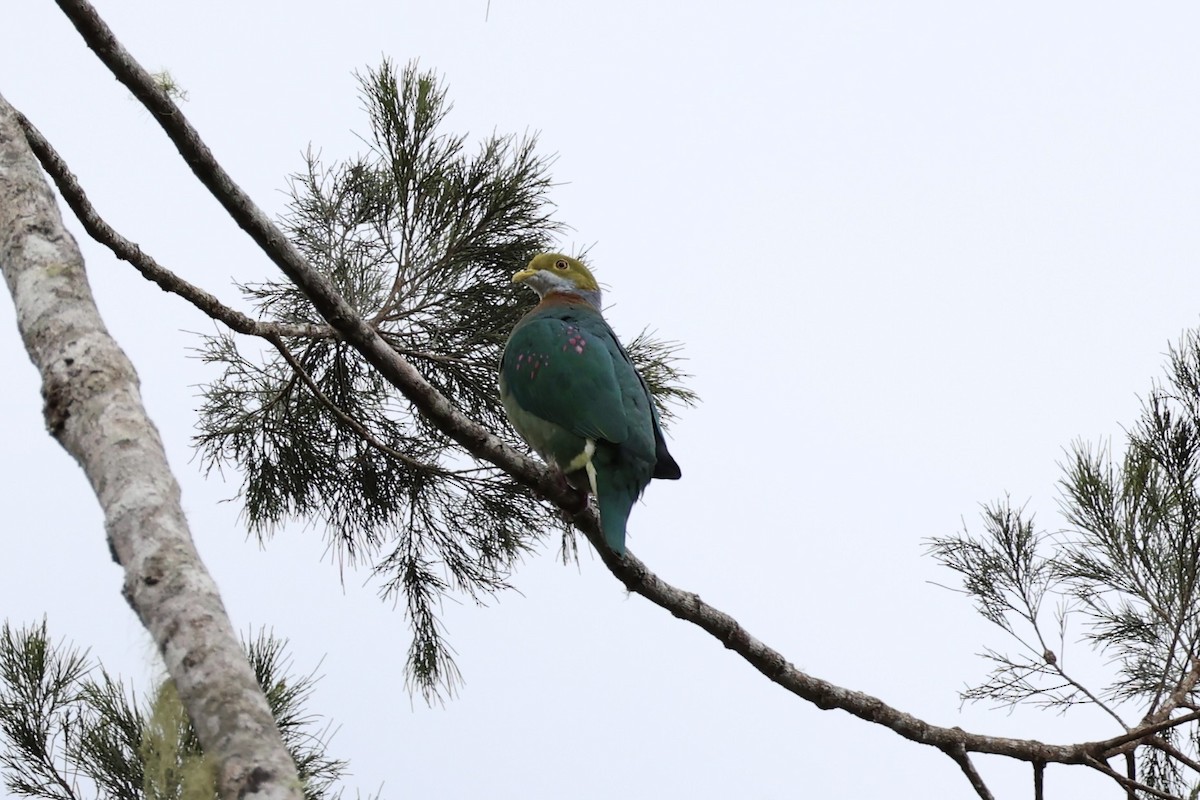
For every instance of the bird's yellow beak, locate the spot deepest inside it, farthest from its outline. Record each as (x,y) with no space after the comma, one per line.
(524,275)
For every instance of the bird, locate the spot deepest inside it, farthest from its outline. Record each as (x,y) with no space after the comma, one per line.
(573,394)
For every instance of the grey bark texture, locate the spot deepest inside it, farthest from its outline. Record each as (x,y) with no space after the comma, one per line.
(93,407)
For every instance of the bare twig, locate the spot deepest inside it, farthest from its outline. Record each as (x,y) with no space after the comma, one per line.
(1031,614)
(1057,666)
(1039,780)
(964,761)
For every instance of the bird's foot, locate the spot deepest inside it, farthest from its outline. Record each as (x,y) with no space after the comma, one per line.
(567,486)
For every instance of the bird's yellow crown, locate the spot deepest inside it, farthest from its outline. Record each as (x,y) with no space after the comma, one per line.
(553,274)
(555,269)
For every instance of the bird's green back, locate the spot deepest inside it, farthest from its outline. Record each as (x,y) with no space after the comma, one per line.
(564,365)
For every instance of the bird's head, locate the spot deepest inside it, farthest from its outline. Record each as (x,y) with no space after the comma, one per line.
(551,273)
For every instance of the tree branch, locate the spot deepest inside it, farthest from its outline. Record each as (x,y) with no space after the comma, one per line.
(964,761)
(274,332)
(1178,696)
(93,408)
(1128,784)
(1174,752)
(485,446)
(122,248)
(1119,744)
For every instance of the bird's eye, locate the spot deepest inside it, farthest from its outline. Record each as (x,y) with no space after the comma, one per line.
(561,264)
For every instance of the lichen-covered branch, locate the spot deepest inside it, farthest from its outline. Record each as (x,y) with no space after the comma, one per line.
(94,408)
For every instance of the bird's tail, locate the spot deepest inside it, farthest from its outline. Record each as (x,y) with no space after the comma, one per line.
(615,498)
(614,511)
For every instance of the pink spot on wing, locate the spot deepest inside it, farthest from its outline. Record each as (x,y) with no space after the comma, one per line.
(578,348)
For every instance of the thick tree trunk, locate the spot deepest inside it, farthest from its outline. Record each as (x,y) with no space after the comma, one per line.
(94,409)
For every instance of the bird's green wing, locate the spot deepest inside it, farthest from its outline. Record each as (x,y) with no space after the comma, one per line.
(560,368)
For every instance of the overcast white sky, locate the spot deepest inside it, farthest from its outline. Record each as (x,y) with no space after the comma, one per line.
(914,250)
